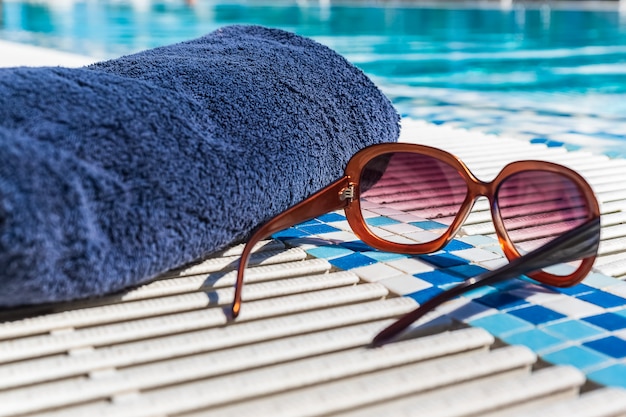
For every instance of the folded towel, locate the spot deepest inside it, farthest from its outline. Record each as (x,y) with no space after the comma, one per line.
(115,173)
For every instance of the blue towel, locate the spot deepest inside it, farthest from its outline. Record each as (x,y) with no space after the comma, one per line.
(113,174)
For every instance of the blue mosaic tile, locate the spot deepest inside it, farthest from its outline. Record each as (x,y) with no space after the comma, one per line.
(440,278)
(456,244)
(318,229)
(424,295)
(584,343)
(538,140)
(501,301)
(500,324)
(608,321)
(529,280)
(554,144)
(614,154)
(573,330)
(537,314)
(329,251)
(311,222)
(613,375)
(291,233)
(611,346)
(429,225)
(357,246)
(603,299)
(380,221)
(576,290)
(510,284)
(534,339)
(331,217)
(572,147)
(354,260)
(468,310)
(467,270)
(383,256)
(443,259)
(579,356)
(479,292)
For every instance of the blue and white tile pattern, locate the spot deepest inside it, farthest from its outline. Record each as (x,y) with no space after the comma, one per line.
(583,326)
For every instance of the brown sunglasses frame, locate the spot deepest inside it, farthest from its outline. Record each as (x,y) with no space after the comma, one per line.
(344,193)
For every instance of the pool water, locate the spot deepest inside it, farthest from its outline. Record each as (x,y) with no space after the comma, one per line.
(542,73)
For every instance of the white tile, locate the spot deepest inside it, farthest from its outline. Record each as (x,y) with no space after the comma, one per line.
(342,224)
(375,272)
(368,214)
(411,265)
(380,232)
(494,263)
(573,307)
(619,290)
(385,211)
(404,284)
(495,248)
(306,243)
(478,240)
(407,218)
(538,295)
(402,229)
(422,237)
(621,334)
(476,255)
(400,239)
(341,236)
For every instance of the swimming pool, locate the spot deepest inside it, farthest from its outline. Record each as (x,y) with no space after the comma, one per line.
(539,73)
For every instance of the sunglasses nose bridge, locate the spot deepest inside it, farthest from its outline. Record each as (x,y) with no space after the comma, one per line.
(478,188)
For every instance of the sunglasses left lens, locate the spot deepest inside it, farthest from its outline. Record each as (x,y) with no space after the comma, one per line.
(410,198)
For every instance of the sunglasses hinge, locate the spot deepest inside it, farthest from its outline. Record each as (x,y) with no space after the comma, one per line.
(347,193)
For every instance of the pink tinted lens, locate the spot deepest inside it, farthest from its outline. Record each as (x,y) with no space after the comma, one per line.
(409,197)
(537,206)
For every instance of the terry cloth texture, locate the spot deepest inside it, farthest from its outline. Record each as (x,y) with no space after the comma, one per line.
(115,173)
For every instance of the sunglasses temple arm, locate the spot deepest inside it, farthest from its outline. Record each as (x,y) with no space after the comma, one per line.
(579,243)
(328,199)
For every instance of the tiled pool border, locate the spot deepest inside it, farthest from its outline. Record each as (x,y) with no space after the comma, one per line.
(583,326)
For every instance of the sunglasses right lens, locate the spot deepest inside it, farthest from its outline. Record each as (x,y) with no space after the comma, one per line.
(538,206)
(409,197)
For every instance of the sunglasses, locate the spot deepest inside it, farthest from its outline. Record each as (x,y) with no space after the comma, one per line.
(413,199)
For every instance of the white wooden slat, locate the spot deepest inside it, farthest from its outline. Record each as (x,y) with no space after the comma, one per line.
(612,219)
(171,304)
(237,250)
(612,264)
(615,230)
(11,350)
(188,283)
(180,370)
(391,382)
(481,397)
(362,367)
(610,246)
(603,402)
(230,262)
(165,347)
